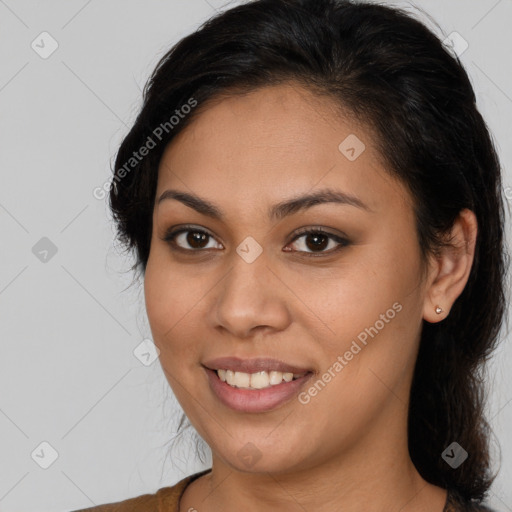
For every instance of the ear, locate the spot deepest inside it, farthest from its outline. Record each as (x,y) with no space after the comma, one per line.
(450,267)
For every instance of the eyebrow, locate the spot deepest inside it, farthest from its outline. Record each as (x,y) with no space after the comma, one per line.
(276,212)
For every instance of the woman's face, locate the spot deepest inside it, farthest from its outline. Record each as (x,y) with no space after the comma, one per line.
(345,307)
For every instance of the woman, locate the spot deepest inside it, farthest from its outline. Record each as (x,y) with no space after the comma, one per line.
(314,202)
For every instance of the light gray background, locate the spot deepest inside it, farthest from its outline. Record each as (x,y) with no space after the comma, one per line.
(69,326)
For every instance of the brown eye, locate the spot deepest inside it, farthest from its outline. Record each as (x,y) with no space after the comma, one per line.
(196,239)
(189,239)
(318,240)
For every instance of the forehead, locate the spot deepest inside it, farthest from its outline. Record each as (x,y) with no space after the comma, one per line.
(273,140)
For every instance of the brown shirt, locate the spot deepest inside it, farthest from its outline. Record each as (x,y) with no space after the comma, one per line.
(167,499)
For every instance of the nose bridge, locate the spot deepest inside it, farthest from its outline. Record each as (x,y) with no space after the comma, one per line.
(247,296)
(248,266)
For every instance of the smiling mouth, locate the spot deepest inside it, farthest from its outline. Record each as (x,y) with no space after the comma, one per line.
(255,385)
(257,380)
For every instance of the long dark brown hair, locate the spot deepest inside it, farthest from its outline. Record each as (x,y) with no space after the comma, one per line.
(393,74)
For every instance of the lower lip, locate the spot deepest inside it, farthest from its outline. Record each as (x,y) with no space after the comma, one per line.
(257,400)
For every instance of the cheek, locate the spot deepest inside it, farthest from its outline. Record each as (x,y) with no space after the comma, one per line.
(170,299)
(352,297)
(171,313)
(373,309)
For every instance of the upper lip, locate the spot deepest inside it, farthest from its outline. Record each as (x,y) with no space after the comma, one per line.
(253,365)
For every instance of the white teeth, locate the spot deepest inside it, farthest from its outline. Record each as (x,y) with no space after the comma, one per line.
(275,377)
(258,380)
(230,377)
(241,380)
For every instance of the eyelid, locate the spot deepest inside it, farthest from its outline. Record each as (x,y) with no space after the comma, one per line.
(318,229)
(175,230)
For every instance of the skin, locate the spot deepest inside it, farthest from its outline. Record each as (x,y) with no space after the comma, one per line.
(347,448)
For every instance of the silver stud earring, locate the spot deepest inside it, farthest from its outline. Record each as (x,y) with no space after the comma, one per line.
(439,310)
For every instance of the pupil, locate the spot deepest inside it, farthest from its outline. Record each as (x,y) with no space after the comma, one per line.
(316,244)
(194,239)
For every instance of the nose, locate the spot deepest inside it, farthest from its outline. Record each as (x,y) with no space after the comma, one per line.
(250,299)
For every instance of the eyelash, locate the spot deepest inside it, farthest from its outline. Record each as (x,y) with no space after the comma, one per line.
(171,234)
